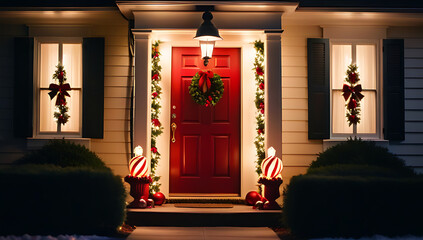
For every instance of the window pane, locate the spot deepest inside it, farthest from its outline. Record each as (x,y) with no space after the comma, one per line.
(366,62)
(368,113)
(341,58)
(47,108)
(48,62)
(72,61)
(339,120)
(73,103)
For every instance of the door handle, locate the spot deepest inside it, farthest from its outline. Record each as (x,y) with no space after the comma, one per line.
(173,126)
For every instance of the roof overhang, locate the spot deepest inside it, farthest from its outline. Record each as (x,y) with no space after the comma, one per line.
(129,7)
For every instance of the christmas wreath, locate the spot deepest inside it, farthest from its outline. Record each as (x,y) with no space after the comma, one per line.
(206,88)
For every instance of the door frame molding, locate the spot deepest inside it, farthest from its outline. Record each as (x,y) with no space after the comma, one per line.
(242,39)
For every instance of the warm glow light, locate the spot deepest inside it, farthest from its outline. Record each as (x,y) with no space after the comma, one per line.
(138,151)
(271,152)
(206,48)
(207,38)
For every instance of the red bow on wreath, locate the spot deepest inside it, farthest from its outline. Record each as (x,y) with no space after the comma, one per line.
(354,91)
(61,91)
(205,83)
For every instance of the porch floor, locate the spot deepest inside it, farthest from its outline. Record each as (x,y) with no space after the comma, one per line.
(169,215)
(202,233)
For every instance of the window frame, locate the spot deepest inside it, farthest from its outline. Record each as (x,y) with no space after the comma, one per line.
(378,91)
(36,116)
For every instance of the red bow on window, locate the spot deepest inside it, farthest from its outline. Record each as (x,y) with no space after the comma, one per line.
(205,83)
(354,91)
(61,91)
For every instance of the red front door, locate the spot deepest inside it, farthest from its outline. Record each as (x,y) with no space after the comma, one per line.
(205,158)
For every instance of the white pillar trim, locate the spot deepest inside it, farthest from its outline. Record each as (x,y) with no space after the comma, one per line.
(273,92)
(142,100)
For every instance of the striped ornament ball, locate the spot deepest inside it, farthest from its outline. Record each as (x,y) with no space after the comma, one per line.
(271,166)
(138,165)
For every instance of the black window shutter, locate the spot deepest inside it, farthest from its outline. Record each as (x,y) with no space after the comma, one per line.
(318,88)
(93,87)
(23,86)
(393,89)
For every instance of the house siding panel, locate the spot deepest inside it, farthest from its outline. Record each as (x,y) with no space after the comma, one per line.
(410,148)
(297,150)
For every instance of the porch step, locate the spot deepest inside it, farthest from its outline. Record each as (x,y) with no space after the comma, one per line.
(169,215)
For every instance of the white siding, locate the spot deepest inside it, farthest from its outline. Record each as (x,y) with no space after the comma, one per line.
(297,151)
(411,148)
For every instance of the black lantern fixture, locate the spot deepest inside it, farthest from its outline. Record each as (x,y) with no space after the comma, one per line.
(207,34)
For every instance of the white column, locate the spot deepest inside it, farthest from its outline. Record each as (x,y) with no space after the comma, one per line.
(142,96)
(273,92)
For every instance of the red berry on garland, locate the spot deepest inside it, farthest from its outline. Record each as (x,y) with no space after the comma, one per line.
(154,149)
(154,94)
(352,103)
(60,76)
(352,77)
(156,55)
(252,197)
(259,71)
(261,105)
(260,131)
(353,118)
(159,198)
(210,98)
(155,76)
(262,111)
(156,122)
(261,86)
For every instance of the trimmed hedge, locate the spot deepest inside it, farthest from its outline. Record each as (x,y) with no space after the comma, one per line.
(52,200)
(64,154)
(351,206)
(358,152)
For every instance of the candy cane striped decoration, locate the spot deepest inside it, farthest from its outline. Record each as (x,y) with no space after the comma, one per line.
(138,166)
(271,166)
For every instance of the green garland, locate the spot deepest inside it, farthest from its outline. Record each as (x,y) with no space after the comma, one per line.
(353,89)
(259,102)
(156,126)
(211,96)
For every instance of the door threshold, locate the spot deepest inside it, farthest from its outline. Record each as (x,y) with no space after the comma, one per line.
(203,195)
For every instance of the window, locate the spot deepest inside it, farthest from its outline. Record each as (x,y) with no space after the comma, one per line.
(50,54)
(365,55)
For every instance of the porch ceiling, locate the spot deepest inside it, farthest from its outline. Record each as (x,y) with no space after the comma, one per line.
(128,7)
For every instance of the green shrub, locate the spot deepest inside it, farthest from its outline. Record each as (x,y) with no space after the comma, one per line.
(358,170)
(351,206)
(356,151)
(64,154)
(52,200)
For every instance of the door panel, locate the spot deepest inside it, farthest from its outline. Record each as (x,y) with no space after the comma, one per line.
(205,157)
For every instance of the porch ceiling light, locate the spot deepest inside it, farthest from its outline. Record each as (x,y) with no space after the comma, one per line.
(207,34)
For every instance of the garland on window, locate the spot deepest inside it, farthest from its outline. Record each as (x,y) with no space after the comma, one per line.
(259,101)
(60,90)
(353,93)
(156,126)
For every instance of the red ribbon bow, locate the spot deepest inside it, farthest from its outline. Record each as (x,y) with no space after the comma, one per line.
(59,90)
(354,91)
(205,78)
